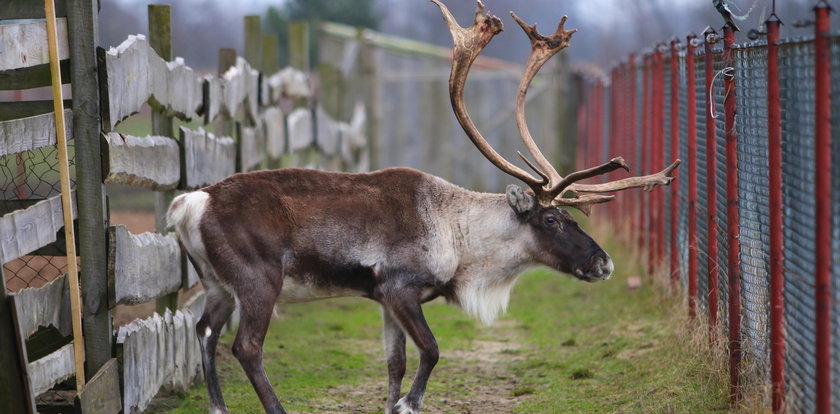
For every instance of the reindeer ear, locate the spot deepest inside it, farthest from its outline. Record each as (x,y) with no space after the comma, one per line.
(520,202)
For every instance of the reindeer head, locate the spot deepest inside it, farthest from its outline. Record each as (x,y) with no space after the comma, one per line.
(561,243)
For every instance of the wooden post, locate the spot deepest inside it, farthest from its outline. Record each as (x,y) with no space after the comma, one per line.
(83,27)
(566,95)
(270,54)
(369,82)
(160,39)
(299,59)
(15,397)
(299,46)
(66,201)
(224,125)
(253,41)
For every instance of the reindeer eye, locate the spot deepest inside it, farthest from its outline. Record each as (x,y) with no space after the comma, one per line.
(550,220)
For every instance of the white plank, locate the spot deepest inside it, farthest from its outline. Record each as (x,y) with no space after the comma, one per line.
(207,159)
(275,132)
(23,45)
(136,73)
(182,89)
(253,147)
(160,352)
(45,306)
(24,231)
(328,132)
(300,129)
(150,162)
(128,74)
(51,369)
(143,266)
(215,96)
(289,83)
(26,134)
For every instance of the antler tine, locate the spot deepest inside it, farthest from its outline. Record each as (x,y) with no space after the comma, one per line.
(584,202)
(612,165)
(647,182)
(468,43)
(542,49)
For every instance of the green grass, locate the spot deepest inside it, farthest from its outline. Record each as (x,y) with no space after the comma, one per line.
(565,346)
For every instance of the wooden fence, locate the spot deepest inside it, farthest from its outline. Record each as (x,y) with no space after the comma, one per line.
(204,128)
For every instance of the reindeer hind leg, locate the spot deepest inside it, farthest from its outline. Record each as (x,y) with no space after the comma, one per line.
(255,310)
(217,309)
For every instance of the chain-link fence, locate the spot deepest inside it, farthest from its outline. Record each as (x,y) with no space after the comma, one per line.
(26,178)
(797,72)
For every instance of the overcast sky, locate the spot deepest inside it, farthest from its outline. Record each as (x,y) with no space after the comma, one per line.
(609,29)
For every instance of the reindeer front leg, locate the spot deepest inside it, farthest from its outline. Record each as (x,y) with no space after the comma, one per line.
(404,307)
(394,340)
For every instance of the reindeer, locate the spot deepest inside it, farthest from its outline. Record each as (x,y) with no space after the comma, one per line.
(397,236)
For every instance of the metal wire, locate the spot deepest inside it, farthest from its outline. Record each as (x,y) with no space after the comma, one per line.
(753,192)
(33,175)
(796,71)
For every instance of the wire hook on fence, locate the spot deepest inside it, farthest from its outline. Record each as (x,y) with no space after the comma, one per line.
(729,72)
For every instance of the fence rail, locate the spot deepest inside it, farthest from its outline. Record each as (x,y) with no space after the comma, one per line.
(746,121)
(240,120)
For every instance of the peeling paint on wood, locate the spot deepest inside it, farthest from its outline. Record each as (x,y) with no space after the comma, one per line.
(23,45)
(160,352)
(45,306)
(26,134)
(207,159)
(143,266)
(27,230)
(51,369)
(150,162)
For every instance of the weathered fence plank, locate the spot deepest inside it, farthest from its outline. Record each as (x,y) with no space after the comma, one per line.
(239,84)
(25,44)
(275,132)
(151,162)
(24,231)
(45,306)
(26,134)
(207,159)
(288,83)
(135,73)
(179,89)
(101,395)
(142,267)
(300,129)
(158,352)
(253,147)
(328,133)
(128,73)
(56,367)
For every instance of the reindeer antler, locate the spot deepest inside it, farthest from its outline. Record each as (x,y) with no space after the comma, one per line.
(468,44)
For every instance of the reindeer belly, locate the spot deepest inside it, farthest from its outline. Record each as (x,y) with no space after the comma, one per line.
(296,291)
(313,278)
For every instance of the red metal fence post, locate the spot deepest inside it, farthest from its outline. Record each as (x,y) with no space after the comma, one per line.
(732,219)
(774,144)
(711,187)
(631,139)
(644,155)
(691,118)
(653,150)
(660,154)
(823,206)
(675,137)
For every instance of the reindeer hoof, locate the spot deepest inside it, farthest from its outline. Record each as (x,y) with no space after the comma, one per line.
(405,407)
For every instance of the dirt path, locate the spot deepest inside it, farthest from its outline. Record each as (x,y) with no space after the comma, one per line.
(474,380)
